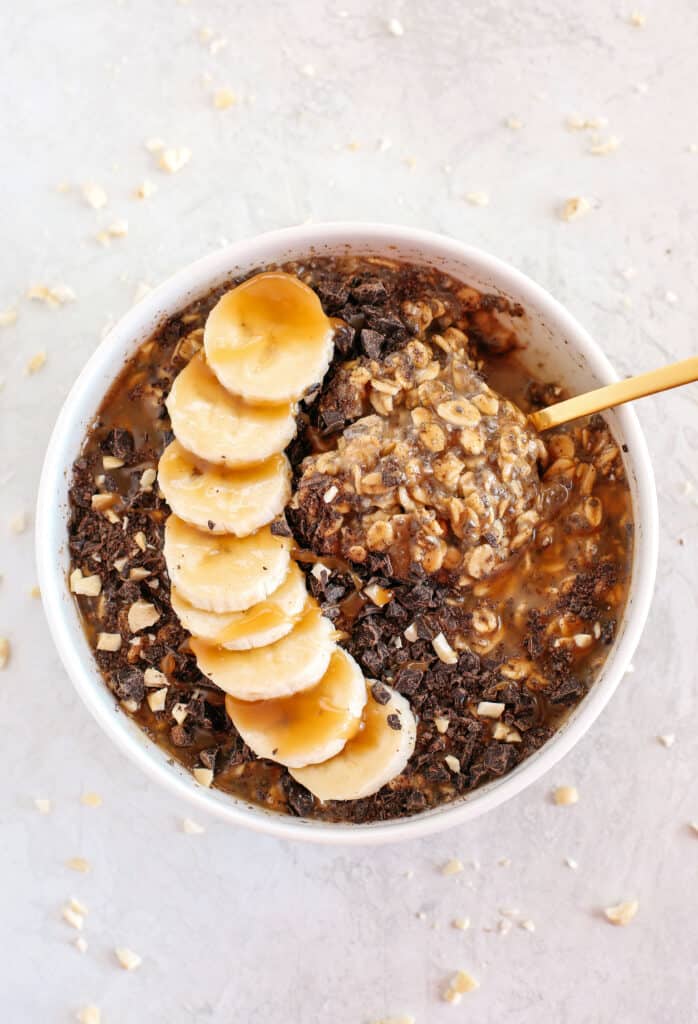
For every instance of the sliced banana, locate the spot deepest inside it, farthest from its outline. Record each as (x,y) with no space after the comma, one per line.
(310,726)
(294,663)
(262,624)
(223,573)
(377,754)
(222,500)
(222,427)
(268,340)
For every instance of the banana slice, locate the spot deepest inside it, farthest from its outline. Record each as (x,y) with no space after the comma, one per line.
(268,340)
(222,500)
(294,663)
(377,754)
(310,726)
(262,624)
(222,573)
(220,427)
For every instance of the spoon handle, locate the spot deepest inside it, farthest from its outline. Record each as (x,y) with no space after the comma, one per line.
(616,394)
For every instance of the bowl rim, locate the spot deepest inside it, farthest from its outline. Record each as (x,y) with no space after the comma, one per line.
(51,535)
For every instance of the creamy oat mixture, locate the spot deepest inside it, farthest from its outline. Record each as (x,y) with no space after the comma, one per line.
(478,569)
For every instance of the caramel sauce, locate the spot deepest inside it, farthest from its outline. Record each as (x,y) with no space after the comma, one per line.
(262,616)
(307,719)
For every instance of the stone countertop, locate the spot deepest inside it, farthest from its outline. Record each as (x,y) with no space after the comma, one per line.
(340,114)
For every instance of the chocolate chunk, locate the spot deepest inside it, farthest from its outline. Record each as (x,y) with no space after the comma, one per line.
(299,800)
(127,684)
(380,694)
(280,528)
(118,442)
(394,722)
(371,343)
(371,292)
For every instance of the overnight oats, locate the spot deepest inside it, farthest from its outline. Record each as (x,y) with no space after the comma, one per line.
(323,558)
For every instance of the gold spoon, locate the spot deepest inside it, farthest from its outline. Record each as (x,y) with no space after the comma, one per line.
(616,394)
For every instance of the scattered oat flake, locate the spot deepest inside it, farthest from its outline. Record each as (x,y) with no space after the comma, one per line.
(571,863)
(694,826)
(94,195)
(452,867)
(19,523)
(460,983)
(36,362)
(35,591)
(129,960)
(192,828)
(154,145)
(81,944)
(404,1019)
(73,917)
(637,19)
(142,289)
(565,796)
(527,925)
(118,229)
(461,923)
(52,295)
(78,864)
(91,800)
(692,147)
(89,1015)
(395,27)
(173,159)
(574,208)
(42,804)
(308,70)
(145,189)
(4,653)
(224,98)
(477,198)
(504,862)
(514,123)
(622,913)
(8,317)
(667,740)
(605,146)
(671,297)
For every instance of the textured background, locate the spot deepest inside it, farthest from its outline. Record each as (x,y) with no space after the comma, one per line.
(239,927)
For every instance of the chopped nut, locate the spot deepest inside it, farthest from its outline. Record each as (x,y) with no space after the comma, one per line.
(452,763)
(379,595)
(204,776)
(224,98)
(156,699)
(443,649)
(42,804)
(91,799)
(583,640)
(154,677)
(395,27)
(100,502)
(330,494)
(452,867)
(36,361)
(565,796)
(148,477)
(173,159)
(411,633)
(4,652)
(140,540)
(667,740)
(94,195)
(622,913)
(441,725)
(191,828)
(179,713)
(89,1015)
(55,295)
(490,709)
(78,864)
(111,462)
(141,615)
(109,641)
(575,208)
(127,958)
(87,586)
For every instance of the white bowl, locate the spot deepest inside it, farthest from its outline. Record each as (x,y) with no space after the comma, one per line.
(554,339)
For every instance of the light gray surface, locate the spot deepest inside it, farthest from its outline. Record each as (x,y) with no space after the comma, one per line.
(237,927)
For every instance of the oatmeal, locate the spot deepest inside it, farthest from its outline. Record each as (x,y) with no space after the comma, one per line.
(470,571)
